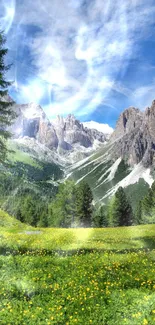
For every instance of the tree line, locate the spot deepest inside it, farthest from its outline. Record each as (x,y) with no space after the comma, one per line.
(73,206)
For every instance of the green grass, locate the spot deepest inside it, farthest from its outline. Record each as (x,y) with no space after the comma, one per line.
(19,156)
(8,222)
(76,276)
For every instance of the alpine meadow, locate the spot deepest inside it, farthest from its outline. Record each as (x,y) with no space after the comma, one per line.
(77,162)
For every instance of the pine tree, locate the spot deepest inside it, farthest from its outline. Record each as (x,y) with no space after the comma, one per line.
(148,203)
(84,209)
(62,210)
(153,187)
(43,219)
(138,213)
(104,217)
(99,219)
(6,112)
(122,211)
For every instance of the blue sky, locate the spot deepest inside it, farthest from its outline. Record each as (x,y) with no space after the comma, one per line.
(92,58)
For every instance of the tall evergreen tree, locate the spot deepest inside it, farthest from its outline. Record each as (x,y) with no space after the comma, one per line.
(138,213)
(100,219)
(148,203)
(6,112)
(84,208)
(62,210)
(122,211)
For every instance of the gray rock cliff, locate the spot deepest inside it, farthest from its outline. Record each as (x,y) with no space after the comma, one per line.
(61,134)
(134,136)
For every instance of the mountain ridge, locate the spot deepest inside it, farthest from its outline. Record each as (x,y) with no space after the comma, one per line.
(125,159)
(63,134)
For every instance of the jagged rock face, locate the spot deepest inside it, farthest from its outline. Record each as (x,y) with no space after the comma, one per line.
(149,120)
(70,132)
(62,134)
(47,135)
(33,123)
(134,136)
(75,132)
(130,120)
(30,127)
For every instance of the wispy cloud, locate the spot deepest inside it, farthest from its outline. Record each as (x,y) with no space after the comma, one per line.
(143,96)
(73,51)
(7,14)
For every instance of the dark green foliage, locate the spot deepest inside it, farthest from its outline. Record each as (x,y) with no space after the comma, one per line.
(28,207)
(122,171)
(122,210)
(42,172)
(62,209)
(148,202)
(136,192)
(27,190)
(143,201)
(84,198)
(6,112)
(148,206)
(100,218)
(72,206)
(43,217)
(138,213)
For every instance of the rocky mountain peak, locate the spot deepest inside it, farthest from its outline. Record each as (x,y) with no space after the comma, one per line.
(32,122)
(134,136)
(62,134)
(72,123)
(128,121)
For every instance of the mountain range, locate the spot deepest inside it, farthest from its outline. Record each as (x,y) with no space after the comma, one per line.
(65,136)
(106,161)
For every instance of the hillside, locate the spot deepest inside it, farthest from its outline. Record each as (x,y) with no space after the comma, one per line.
(105,175)
(127,159)
(8,222)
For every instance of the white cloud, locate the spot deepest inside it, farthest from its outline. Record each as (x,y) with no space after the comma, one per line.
(32,92)
(104,128)
(78,51)
(143,96)
(7,14)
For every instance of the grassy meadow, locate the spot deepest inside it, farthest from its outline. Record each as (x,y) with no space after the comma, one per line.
(76,276)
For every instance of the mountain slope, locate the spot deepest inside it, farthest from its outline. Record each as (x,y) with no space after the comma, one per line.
(105,175)
(127,160)
(47,152)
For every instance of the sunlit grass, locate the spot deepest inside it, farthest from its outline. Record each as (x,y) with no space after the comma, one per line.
(15,235)
(76,276)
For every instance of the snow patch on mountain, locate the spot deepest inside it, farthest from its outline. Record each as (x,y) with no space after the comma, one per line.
(139,171)
(113,170)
